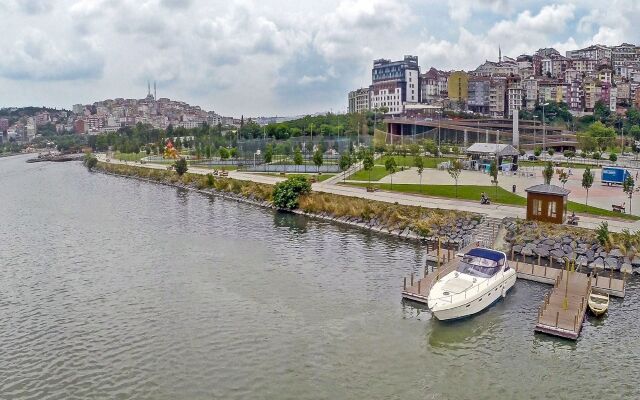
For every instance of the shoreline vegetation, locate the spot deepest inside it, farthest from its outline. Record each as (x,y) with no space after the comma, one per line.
(405,221)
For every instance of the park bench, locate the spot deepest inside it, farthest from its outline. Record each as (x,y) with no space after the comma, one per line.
(313,179)
(618,208)
(283,174)
(224,173)
(169,167)
(573,220)
(372,189)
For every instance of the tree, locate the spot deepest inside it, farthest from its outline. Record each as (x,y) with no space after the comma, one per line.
(454,170)
(418,162)
(493,172)
(90,161)
(390,165)
(297,158)
(613,157)
(233,152)
(367,164)
(224,153)
(627,187)
(207,151)
(317,159)
(345,163)
(547,173)
(286,194)
(537,152)
(587,182)
(551,152)
(600,135)
(180,166)
(564,177)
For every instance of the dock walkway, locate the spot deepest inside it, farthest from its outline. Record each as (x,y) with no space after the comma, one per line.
(564,308)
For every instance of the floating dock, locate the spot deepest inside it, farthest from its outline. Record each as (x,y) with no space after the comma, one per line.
(564,308)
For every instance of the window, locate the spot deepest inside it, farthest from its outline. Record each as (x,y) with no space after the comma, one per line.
(537,207)
(552,209)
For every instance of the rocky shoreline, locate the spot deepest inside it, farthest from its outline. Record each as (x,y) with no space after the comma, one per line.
(587,252)
(451,235)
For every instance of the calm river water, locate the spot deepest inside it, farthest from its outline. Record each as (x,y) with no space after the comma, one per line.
(114,288)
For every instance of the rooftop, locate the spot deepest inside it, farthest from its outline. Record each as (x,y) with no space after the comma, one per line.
(548,189)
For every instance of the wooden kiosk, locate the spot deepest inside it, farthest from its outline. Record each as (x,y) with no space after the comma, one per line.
(547,203)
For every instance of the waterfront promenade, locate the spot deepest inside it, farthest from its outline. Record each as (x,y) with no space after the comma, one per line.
(332,186)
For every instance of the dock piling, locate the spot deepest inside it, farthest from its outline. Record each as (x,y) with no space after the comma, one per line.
(404,285)
(412,279)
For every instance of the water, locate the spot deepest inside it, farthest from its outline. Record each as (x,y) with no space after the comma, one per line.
(114,288)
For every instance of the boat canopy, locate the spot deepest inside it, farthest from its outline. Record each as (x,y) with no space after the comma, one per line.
(487,254)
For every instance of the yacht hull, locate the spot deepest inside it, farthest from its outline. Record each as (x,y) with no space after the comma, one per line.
(477,302)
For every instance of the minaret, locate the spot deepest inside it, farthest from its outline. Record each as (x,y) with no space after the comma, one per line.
(148,88)
(155,93)
(499,54)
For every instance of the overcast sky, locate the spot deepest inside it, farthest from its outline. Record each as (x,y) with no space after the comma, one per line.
(270,57)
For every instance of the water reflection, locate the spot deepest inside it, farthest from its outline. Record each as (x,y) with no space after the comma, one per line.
(293,222)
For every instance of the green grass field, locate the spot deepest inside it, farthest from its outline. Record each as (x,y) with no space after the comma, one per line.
(378,172)
(572,165)
(129,156)
(319,178)
(429,162)
(471,192)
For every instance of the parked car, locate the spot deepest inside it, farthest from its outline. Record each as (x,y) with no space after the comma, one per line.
(532,158)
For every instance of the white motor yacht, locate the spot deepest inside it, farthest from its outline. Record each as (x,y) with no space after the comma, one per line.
(482,277)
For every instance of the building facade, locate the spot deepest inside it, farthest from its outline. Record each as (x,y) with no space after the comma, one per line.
(394,84)
(359,100)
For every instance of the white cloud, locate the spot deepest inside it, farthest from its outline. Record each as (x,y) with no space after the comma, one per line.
(271,56)
(35,56)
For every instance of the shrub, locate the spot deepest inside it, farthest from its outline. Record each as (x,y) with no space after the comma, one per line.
(286,194)
(210,180)
(180,166)
(602,233)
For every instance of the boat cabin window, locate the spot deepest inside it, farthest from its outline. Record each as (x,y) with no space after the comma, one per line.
(478,266)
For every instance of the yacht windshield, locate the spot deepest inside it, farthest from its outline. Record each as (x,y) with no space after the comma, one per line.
(478,266)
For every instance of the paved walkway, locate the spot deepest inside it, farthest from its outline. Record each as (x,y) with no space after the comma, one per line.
(493,210)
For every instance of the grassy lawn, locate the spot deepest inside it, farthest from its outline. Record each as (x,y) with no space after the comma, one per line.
(378,172)
(563,165)
(319,178)
(218,167)
(129,156)
(472,192)
(429,162)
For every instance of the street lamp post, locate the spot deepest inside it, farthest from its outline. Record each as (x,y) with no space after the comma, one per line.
(544,128)
(535,130)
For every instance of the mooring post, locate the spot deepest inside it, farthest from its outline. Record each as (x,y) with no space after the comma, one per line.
(412,279)
(575,322)
(425,272)
(551,261)
(418,287)
(404,285)
(539,259)
(610,278)
(557,318)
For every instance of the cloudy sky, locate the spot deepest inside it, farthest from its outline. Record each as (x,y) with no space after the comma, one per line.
(271,57)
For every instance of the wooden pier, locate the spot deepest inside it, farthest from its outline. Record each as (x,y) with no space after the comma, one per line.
(564,308)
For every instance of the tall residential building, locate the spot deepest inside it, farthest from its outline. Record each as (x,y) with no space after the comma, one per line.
(514,95)
(590,95)
(359,100)
(458,86)
(596,52)
(4,125)
(479,88)
(624,54)
(395,83)
(433,85)
(530,92)
(497,91)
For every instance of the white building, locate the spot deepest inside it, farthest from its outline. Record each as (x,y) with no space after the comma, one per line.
(359,100)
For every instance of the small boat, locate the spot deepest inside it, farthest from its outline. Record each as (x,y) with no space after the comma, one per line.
(598,303)
(482,277)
